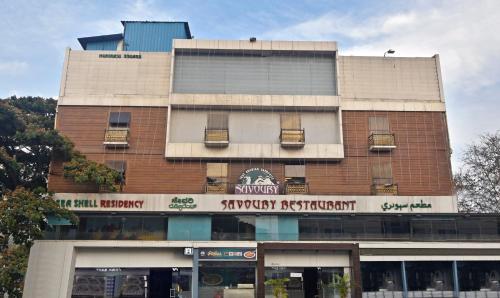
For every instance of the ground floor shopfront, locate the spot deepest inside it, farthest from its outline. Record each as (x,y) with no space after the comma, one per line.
(84,269)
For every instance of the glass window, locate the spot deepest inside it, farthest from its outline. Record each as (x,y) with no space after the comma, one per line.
(421,229)
(378,124)
(483,276)
(468,228)
(217,120)
(290,121)
(382,173)
(229,227)
(119,119)
(396,227)
(353,227)
(429,276)
(381,276)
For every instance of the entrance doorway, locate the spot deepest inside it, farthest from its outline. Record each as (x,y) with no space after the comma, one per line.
(310,282)
(305,282)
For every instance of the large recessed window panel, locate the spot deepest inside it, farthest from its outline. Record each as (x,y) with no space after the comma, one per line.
(274,73)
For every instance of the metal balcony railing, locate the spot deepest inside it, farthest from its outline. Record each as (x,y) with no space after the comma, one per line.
(381,142)
(216,187)
(116,137)
(216,137)
(384,189)
(296,188)
(292,138)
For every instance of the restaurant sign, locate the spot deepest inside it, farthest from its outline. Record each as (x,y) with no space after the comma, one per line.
(247,203)
(257,181)
(227,254)
(102,204)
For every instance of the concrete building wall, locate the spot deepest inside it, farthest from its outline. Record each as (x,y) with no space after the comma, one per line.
(89,78)
(387,78)
(420,163)
(255,127)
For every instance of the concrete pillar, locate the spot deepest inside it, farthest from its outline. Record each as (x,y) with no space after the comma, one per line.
(194,277)
(404,279)
(456,285)
(51,267)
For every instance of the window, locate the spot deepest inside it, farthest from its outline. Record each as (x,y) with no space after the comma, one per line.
(292,135)
(217,121)
(120,166)
(382,173)
(217,132)
(290,121)
(378,124)
(295,179)
(119,119)
(216,178)
(229,227)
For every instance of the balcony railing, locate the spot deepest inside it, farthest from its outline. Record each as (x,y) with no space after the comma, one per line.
(116,137)
(381,142)
(216,187)
(296,188)
(216,137)
(292,138)
(385,189)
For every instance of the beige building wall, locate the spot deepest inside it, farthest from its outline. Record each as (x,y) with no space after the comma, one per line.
(387,78)
(89,79)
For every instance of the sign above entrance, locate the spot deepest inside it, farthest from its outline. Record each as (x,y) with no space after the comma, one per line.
(227,254)
(257,181)
(223,203)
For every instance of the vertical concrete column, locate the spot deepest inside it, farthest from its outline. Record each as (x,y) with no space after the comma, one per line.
(356,272)
(51,267)
(456,285)
(261,290)
(194,277)
(404,279)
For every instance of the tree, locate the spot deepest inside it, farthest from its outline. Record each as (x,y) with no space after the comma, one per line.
(279,287)
(23,215)
(478,181)
(28,142)
(341,284)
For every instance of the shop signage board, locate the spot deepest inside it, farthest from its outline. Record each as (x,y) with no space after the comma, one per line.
(227,254)
(232,203)
(257,181)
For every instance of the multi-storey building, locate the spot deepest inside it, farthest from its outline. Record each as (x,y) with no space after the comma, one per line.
(245,161)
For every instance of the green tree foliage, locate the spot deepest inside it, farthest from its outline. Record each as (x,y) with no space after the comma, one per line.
(84,171)
(478,181)
(341,284)
(279,286)
(28,142)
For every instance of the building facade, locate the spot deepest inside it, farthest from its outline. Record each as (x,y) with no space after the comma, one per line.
(249,161)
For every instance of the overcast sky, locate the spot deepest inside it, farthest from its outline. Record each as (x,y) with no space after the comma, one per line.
(465,33)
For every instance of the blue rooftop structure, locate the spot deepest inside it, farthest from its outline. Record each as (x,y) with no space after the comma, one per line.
(141,36)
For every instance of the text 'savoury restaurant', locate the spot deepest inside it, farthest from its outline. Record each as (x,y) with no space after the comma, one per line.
(245,162)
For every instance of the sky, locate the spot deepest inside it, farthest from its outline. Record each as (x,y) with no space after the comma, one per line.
(34,35)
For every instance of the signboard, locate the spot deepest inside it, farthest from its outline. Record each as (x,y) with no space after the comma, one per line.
(222,203)
(188,251)
(227,254)
(257,181)
(102,204)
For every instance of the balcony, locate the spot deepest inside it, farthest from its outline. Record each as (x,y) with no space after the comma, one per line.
(381,142)
(292,138)
(296,188)
(216,137)
(384,189)
(116,137)
(216,187)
